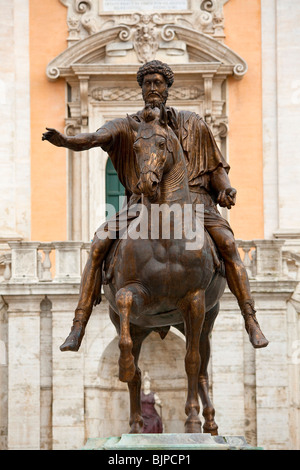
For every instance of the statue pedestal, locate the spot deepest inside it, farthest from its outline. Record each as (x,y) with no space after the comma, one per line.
(169,442)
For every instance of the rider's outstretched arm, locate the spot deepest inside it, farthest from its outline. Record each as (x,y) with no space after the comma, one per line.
(78,142)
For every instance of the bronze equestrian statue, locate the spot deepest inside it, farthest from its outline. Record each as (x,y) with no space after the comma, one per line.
(208,183)
(158,282)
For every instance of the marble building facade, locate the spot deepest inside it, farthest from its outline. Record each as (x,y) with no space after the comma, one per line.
(51,400)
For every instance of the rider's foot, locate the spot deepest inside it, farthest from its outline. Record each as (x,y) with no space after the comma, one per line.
(256,336)
(73,341)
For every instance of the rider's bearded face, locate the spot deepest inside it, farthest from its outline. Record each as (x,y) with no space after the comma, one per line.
(154,89)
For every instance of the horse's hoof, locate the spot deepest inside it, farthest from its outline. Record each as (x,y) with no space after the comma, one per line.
(192,426)
(136,428)
(210,428)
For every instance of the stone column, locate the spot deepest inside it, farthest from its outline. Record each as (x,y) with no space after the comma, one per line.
(23,371)
(67,382)
(3,374)
(46,375)
(293,324)
(15,203)
(281,114)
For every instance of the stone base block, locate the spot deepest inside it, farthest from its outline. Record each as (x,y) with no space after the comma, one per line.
(169,442)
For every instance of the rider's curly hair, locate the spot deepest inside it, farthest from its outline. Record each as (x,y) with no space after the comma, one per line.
(155,66)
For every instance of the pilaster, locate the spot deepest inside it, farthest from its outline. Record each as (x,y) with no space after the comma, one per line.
(272,375)
(23,371)
(15,203)
(68,427)
(281,115)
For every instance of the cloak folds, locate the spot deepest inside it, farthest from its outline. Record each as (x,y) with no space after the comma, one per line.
(201,151)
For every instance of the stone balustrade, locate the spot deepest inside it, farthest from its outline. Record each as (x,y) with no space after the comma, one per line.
(31,262)
(63,261)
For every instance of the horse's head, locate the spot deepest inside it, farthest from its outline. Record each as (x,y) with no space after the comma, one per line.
(153,148)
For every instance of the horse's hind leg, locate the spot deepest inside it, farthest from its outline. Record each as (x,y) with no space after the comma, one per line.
(210,425)
(193,308)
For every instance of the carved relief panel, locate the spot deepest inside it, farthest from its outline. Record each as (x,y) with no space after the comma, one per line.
(86,17)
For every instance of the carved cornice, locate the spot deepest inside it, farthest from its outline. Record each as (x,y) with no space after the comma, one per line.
(219,57)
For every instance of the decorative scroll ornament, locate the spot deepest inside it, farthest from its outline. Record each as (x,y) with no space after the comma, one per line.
(82,6)
(207,18)
(146,34)
(194,36)
(145,42)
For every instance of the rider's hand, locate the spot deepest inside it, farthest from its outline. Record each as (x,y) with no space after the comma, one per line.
(54,137)
(227,197)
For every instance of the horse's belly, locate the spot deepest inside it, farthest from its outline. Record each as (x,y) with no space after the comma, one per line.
(165,271)
(159,319)
(157,313)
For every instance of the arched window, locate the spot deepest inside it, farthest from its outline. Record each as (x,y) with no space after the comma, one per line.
(114,189)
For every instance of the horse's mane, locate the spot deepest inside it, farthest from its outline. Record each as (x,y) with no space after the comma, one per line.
(150,114)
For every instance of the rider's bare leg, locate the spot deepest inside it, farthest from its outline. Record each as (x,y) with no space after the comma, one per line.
(90,277)
(238,283)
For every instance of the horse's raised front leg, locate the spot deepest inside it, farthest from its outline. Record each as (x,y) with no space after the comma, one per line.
(124,301)
(193,308)
(138,335)
(210,425)
(134,386)
(127,298)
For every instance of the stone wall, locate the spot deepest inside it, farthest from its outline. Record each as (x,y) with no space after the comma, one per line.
(281,114)
(15,118)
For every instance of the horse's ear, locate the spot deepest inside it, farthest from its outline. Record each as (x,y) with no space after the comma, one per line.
(133,123)
(163,117)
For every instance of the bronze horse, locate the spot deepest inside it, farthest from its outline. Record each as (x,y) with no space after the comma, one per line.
(158,283)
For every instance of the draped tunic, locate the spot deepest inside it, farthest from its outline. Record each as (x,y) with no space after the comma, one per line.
(200,149)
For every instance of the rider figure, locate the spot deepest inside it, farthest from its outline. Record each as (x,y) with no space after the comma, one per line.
(209,185)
